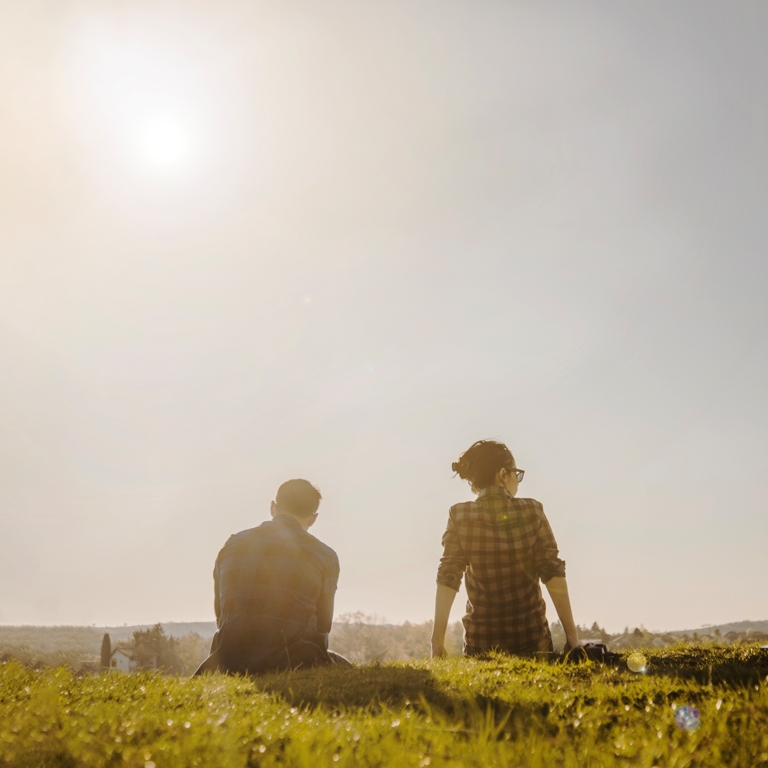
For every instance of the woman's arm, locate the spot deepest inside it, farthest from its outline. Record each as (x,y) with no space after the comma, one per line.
(443,603)
(453,563)
(558,591)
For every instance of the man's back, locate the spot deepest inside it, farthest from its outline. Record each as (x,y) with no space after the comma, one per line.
(274,585)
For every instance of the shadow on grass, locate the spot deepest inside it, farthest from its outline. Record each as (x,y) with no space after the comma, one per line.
(43,757)
(369,686)
(395,686)
(374,688)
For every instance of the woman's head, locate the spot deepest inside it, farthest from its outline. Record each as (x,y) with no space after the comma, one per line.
(485,463)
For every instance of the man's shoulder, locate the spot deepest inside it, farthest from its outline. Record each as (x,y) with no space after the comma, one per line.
(322,548)
(267,529)
(249,533)
(245,536)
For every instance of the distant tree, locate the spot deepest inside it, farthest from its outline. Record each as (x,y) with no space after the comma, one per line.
(106,651)
(597,631)
(363,639)
(359,637)
(454,638)
(192,651)
(153,648)
(558,635)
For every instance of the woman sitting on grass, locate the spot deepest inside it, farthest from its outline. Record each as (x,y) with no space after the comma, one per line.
(505,545)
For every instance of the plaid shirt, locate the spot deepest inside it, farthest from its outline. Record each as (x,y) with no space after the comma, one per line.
(505,545)
(273,585)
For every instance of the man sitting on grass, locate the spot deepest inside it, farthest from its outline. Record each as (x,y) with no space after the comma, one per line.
(274,587)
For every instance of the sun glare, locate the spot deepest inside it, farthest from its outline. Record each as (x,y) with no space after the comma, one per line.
(164,141)
(142,105)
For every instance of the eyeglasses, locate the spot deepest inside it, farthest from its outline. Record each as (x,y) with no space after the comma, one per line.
(519,472)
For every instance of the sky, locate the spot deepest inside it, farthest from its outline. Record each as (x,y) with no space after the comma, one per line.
(247,241)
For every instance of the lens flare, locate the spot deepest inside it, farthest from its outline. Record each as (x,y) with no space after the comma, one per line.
(687,718)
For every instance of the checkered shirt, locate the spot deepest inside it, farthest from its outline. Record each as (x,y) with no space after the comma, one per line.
(504,545)
(273,585)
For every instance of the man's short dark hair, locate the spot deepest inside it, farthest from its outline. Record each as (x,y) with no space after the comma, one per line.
(298,497)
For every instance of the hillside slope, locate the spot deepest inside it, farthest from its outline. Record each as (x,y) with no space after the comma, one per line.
(694,707)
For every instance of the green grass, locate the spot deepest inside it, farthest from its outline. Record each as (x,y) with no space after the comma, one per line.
(452,712)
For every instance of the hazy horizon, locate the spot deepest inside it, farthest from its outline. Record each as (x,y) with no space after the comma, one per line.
(181,628)
(246,242)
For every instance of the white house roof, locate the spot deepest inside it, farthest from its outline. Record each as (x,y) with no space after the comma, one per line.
(125,651)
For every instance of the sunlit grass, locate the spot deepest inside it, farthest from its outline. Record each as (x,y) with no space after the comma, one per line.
(451,712)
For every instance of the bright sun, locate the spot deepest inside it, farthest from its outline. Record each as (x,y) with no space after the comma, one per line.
(164,140)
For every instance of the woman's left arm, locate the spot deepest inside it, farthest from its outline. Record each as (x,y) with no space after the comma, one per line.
(551,570)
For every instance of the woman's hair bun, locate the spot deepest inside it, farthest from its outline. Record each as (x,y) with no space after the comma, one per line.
(481,461)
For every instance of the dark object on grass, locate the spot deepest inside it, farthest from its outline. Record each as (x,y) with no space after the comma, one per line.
(592,652)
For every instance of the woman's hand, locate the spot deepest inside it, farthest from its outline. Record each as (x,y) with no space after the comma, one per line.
(571,643)
(438,650)
(443,602)
(557,587)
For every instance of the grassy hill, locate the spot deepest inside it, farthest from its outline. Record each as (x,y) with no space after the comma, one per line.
(451,712)
(734,626)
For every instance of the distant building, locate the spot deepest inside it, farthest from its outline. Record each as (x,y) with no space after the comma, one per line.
(126,660)
(123,660)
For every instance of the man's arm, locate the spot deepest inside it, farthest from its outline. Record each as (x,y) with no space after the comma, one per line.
(443,603)
(216,598)
(558,591)
(324,604)
(324,612)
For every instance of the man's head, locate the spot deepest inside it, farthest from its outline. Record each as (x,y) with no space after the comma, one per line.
(299,499)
